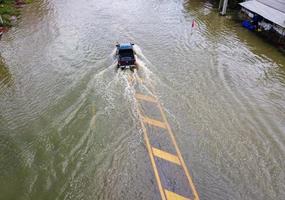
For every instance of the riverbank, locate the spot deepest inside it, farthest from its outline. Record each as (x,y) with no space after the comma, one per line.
(9,12)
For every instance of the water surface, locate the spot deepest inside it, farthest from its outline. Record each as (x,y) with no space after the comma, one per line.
(68,125)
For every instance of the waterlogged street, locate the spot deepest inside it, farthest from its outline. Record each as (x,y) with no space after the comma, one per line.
(69,121)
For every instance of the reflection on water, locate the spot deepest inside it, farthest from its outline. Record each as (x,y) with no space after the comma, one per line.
(69,127)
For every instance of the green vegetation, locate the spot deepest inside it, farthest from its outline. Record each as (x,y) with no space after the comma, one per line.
(8,9)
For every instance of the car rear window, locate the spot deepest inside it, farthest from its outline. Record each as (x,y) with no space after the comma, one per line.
(126,52)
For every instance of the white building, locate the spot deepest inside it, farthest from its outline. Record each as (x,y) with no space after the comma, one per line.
(272,13)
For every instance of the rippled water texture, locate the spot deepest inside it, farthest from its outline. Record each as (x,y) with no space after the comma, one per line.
(68,125)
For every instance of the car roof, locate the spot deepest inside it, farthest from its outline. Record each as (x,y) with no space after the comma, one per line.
(125,46)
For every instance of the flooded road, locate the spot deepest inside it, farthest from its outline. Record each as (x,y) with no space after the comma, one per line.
(68,122)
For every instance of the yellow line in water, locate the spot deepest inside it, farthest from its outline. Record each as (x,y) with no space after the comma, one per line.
(154,122)
(165,194)
(166,156)
(196,196)
(93,120)
(93,109)
(148,146)
(130,79)
(140,79)
(162,194)
(146,98)
(173,196)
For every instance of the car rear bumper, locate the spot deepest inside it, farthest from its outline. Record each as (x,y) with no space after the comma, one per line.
(127,66)
(120,63)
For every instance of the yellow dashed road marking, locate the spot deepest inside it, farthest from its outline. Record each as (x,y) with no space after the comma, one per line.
(154,152)
(179,155)
(173,196)
(145,98)
(154,122)
(93,120)
(156,174)
(165,155)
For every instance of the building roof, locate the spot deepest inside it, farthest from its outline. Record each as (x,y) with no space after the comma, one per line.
(276,4)
(272,10)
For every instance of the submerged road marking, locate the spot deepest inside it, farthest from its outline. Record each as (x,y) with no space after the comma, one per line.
(93,119)
(154,122)
(151,156)
(165,155)
(173,196)
(155,152)
(196,196)
(145,98)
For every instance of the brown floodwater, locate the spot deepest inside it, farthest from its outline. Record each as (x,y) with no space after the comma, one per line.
(68,123)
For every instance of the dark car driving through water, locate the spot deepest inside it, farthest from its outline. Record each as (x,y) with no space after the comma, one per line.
(126,56)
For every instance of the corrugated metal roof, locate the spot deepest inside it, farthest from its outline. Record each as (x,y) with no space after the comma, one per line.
(277,4)
(268,12)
